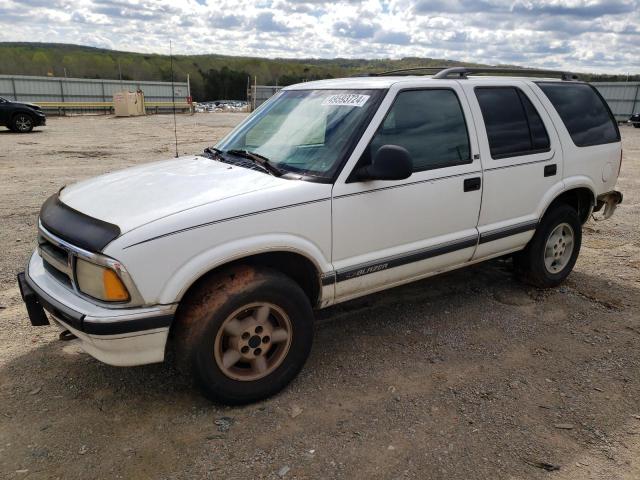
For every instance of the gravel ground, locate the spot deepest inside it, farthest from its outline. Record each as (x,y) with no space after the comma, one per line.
(467,375)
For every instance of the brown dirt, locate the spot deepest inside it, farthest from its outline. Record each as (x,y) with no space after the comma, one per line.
(466,375)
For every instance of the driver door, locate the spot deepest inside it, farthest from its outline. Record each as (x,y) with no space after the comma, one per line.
(386,233)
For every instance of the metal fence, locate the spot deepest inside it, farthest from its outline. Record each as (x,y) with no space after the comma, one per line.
(258,94)
(623,97)
(82,94)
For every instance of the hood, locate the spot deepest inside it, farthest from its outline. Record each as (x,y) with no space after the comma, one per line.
(135,196)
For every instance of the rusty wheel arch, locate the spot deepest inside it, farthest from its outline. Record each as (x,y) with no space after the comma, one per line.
(294,265)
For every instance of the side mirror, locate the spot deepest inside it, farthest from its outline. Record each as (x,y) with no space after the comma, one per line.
(390,162)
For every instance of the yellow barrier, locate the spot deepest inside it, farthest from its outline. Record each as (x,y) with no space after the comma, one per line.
(167,104)
(76,104)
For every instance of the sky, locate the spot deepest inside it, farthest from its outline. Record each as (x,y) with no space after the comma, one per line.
(581,35)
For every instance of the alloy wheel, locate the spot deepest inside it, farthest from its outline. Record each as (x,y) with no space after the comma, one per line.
(559,248)
(253,341)
(23,123)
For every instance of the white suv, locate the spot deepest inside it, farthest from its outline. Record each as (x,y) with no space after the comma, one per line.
(331,190)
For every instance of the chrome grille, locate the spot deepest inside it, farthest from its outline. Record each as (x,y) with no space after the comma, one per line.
(57,261)
(57,274)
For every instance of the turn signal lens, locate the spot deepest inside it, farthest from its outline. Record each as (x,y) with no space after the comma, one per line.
(114,290)
(100,282)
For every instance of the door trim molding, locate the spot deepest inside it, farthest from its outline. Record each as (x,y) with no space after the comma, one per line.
(379,265)
(504,232)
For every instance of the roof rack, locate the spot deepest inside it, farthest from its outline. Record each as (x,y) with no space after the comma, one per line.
(411,69)
(463,72)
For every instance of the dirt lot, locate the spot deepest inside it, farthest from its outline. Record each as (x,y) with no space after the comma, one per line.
(467,375)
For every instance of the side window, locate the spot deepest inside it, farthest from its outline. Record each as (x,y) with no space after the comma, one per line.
(513,125)
(584,113)
(430,125)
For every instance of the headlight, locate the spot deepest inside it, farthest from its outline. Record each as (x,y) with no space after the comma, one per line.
(100,282)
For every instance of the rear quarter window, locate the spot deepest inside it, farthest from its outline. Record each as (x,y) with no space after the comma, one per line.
(514,127)
(583,111)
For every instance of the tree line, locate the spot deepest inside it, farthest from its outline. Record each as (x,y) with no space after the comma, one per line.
(212,77)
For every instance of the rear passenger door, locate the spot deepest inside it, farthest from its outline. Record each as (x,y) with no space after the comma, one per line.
(521,162)
(389,232)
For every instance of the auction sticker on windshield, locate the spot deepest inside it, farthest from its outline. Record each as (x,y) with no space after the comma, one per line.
(346,100)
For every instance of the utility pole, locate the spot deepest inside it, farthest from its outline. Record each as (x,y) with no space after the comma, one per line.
(173,99)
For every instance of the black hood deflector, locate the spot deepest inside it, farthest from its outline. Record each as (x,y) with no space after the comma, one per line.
(75,227)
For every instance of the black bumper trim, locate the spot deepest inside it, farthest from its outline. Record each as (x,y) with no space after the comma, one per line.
(128,326)
(78,321)
(57,309)
(34,308)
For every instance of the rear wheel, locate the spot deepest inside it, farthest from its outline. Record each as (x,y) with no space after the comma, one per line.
(22,123)
(244,334)
(552,252)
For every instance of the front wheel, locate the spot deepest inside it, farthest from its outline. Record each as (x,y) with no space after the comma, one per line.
(244,334)
(22,123)
(552,252)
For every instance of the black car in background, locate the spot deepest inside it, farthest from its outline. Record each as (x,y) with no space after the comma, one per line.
(20,117)
(635,119)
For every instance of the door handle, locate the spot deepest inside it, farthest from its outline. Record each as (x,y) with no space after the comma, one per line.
(550,170)
(471,184)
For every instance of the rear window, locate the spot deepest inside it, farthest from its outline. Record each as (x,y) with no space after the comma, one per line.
(514,127)
(583,111)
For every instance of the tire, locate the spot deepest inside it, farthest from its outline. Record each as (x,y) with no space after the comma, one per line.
(229,318)
(548,267)
(22,123)
(636,125)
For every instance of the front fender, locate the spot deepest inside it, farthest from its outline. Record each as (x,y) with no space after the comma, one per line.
(192,270)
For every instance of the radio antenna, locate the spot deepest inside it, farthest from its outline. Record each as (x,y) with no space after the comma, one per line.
(173,99)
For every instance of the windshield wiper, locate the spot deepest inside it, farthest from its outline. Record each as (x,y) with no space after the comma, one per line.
(259,160)
(213,151)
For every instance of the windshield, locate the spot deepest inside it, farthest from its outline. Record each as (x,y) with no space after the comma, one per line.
(308,132)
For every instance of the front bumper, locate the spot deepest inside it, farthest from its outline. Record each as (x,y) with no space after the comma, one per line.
(121,337)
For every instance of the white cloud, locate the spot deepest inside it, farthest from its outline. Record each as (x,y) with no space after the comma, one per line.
(582,35)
